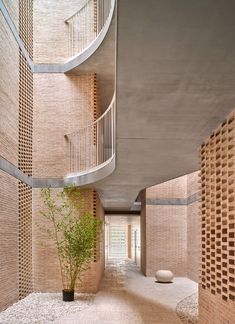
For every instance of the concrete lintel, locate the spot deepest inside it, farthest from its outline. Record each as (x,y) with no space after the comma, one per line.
(174,201)
(48,182)
(11,169)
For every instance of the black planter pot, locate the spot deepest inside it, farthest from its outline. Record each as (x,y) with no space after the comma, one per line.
(68,295)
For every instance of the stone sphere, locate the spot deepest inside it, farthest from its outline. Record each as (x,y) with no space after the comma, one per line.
(164,276)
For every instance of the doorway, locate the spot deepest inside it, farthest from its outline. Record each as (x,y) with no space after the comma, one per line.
(122,237)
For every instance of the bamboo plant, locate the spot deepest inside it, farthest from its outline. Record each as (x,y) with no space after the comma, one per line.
(74,232)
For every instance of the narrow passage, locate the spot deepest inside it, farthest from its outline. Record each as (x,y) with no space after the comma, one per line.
(126,296)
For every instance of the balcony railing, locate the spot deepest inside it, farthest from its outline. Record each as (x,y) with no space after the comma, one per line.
(92,147)
(86,24)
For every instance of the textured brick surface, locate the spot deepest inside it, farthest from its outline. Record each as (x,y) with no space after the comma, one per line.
(216,304)
(143,232)
(9,94)
(25,239)
(166,232)
(193,241)
(46,273)
(8,240)
(193,183)
(25,148)
(13,10)
(166,229)
(214,310)
(193,229)
(50,29)
(176,188)
(62,103)
(171,233)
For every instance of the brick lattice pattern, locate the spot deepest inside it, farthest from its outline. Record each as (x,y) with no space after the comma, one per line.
(25,240)
(25,117)
(25,148)
(218,212)
(26,24)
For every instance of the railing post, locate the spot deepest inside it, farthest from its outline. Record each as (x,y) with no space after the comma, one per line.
(89,147)
(81,24)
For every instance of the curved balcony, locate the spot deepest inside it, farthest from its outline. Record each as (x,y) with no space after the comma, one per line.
(87,30)
(92,150)
(86,24)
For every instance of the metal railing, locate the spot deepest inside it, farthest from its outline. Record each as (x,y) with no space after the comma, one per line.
(86,24)
(93,146)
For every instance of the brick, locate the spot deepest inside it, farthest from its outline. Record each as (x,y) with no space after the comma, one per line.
(9,94)
(9,227)
(217,293)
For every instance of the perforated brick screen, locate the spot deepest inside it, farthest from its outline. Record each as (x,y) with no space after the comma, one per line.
(25,148)
(218,211)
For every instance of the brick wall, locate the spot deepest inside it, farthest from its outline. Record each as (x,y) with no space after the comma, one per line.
(9,273)
(9,117)
(50,29)
(217,286)
(166,228)
(46,273)
(9,94)
(143,232)
(193,229)
(166,246)
(62,103)
(13,10)
(176,188)
(214,310)
(170,228)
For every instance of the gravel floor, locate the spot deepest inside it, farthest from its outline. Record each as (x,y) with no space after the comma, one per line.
(187,309)
(43,308)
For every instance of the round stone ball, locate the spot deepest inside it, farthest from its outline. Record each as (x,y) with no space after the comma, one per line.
(164,276)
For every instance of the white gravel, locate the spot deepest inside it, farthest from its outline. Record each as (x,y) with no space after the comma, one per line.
(187,309)
(43,308)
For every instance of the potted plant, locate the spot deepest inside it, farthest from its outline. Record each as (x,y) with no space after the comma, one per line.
(74,232)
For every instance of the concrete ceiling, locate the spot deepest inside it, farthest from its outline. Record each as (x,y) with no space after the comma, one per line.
(175,84)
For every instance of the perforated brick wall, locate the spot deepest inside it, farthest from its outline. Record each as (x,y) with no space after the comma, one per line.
(214,310)
(25,240)
(26,24)
(25,148)
(25,117)
(218,219)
